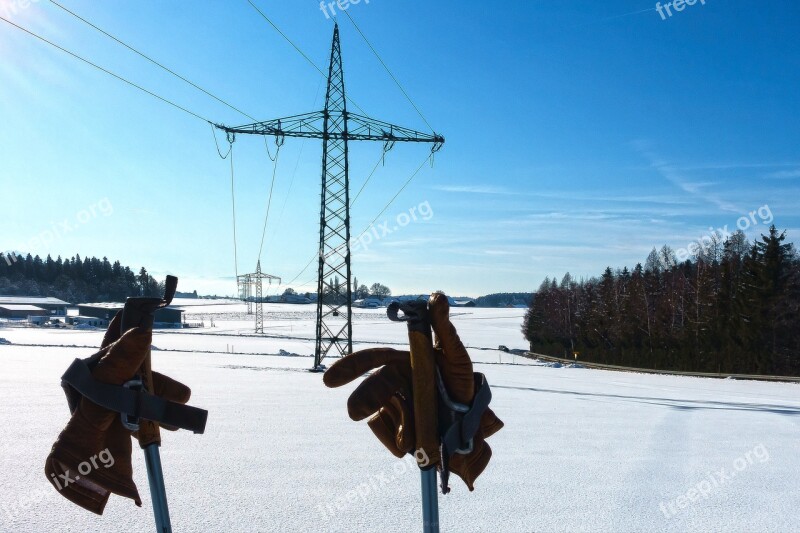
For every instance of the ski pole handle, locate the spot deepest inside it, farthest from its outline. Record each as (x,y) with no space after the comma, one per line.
(423,378)
(149,431)
(140,312)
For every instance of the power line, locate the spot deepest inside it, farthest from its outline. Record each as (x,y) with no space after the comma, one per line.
(297,163)
(388,204)
(233,205)
(316,256)
(98,67)
(409,180)
(269,200)
(383,155)
(150,59)
(214,134)
(288,40)
(388,71)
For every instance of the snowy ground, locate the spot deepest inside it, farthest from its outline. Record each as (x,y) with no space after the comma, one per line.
(582,450)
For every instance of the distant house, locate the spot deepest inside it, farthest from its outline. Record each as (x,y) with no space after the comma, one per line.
(21,312)
(88,321)
(166,317)
(192,295)
(368,303)
(53,306)
(461,302)
(295,299)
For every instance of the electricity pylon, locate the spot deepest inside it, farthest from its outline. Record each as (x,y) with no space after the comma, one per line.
(336,127)
(246,291)
(247,282)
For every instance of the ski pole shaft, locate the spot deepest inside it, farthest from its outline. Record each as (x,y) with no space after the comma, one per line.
(150,441)
(430,501)
(158,492)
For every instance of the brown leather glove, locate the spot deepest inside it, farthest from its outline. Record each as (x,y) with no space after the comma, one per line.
(386,395)
(455,366)
(92,457)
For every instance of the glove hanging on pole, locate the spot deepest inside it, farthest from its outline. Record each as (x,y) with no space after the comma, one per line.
(387,396)
(92,457)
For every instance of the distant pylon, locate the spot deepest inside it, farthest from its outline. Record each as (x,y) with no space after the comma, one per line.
(246,284)
(246,291)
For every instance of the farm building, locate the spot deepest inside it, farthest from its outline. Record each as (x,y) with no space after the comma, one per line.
(87,321)
(167,317)
(21,312)
(53,306)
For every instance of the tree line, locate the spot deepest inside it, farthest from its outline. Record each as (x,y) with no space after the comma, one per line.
(503,299)
(732,308)
(74,280)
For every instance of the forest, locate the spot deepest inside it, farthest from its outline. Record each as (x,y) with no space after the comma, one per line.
(732,308)
(74,280)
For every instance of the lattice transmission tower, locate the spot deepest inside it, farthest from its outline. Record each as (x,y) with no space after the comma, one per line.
(249,283)
(336,126)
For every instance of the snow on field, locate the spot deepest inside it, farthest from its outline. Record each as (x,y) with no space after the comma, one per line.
(582,450)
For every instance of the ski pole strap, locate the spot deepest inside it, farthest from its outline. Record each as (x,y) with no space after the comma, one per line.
(459,423)
(131,403)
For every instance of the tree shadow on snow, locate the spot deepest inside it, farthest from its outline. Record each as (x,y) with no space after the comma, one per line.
(683,405)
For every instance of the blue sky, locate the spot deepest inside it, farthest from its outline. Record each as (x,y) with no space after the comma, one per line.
(580,134)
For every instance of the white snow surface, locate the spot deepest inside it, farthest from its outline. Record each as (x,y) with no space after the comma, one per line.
(582,450)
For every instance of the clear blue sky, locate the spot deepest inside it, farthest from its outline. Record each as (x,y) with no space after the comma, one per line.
(580,134)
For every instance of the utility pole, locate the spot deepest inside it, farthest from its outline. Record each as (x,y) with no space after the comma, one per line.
(336,127)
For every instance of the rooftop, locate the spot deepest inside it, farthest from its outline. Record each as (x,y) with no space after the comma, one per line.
(31,300)
(109,305)
(9,307)
(115,306)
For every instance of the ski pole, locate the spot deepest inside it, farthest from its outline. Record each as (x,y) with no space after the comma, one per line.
(139,312)
(430,501)
(150,441)
(423,377)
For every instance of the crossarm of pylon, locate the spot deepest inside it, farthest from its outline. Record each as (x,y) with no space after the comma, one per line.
(359,128)
(363,128)
(308,125)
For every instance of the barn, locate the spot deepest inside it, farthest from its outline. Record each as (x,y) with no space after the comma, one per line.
(166,317)
(53,306)
(21,312)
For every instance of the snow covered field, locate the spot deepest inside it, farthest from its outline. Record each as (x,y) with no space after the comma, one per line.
(582,450)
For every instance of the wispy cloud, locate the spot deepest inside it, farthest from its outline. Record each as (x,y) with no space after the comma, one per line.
(733,166)
(473,189)
(614,17)
(674,176)
(784,174)
(500,252)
